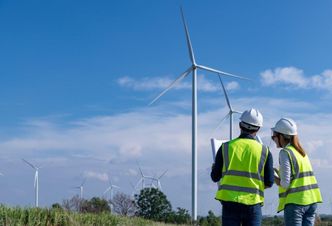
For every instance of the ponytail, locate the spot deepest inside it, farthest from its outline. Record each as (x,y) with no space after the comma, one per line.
(294,141)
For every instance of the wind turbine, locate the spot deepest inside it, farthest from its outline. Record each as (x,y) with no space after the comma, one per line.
(157,180)
(142,180)
(81,188)
(193,68)
(230,113)
(36,181)
(110,189)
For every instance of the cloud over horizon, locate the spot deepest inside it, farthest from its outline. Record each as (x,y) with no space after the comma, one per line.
(295,78)
(160,83)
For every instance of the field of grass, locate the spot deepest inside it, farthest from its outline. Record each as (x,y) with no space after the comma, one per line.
(56,217)
(16,216)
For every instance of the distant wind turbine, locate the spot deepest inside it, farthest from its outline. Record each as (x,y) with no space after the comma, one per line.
(81,188)
(110,189)
(36,181)
(157,180)
(193,68)
(142,181)
(230,113)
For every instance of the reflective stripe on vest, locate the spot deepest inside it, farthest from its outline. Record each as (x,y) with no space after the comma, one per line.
(298,189)
(294,164)
(244,189)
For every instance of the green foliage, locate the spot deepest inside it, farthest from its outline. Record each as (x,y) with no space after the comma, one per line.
(181,216)
(95,205)
(56,206)
(152,204)
(209,220)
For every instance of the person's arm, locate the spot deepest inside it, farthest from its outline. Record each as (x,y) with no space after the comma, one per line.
(285,169)
(216,171)
(268,171)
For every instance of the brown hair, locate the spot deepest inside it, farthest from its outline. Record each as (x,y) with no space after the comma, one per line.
(294,141)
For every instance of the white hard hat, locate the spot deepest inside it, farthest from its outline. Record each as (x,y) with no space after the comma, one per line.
(252,117)
(285,126)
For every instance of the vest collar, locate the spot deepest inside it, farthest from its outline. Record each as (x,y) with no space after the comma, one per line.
(246,136)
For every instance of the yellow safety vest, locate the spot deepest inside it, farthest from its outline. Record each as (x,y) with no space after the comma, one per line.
(303,189)
(243,172)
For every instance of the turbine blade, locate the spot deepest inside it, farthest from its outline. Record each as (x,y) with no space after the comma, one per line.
(223,119)
(221,72)
(184,74)
(30,164)
(238,112)
(191,52)
(109,188)
(226,96)
(140,170)
(114,186)
(162,174)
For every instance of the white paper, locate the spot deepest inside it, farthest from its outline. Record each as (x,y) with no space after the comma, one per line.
(216,144)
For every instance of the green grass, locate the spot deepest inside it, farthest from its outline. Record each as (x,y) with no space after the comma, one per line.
(56,217)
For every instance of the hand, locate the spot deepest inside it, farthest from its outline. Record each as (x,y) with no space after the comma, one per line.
(277,181)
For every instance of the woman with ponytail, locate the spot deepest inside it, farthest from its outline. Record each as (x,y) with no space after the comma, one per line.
(298,189)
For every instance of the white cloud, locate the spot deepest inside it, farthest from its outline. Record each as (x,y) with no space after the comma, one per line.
(287,75)
(232,86)
(295,77)
(323,81)
(161,83)
(96,175)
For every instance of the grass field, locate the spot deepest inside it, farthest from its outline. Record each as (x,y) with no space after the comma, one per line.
(48,217)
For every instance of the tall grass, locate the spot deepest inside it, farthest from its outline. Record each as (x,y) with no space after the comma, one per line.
(56,217)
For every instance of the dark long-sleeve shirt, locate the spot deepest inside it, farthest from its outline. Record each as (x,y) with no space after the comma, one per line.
(216,172)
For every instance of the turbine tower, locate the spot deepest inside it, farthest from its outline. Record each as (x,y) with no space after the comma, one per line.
(193,68)
(230,113)
(81,188)
(36,181)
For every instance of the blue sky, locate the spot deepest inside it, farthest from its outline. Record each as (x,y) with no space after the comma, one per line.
(76,78)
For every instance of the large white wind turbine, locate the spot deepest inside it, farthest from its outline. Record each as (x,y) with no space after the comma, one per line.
(36,181)
(229,114)
(193,68)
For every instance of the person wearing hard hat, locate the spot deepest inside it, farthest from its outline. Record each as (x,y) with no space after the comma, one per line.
(244,168)
(298,189)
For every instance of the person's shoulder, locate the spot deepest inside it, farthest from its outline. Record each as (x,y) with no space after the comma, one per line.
(284,153)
